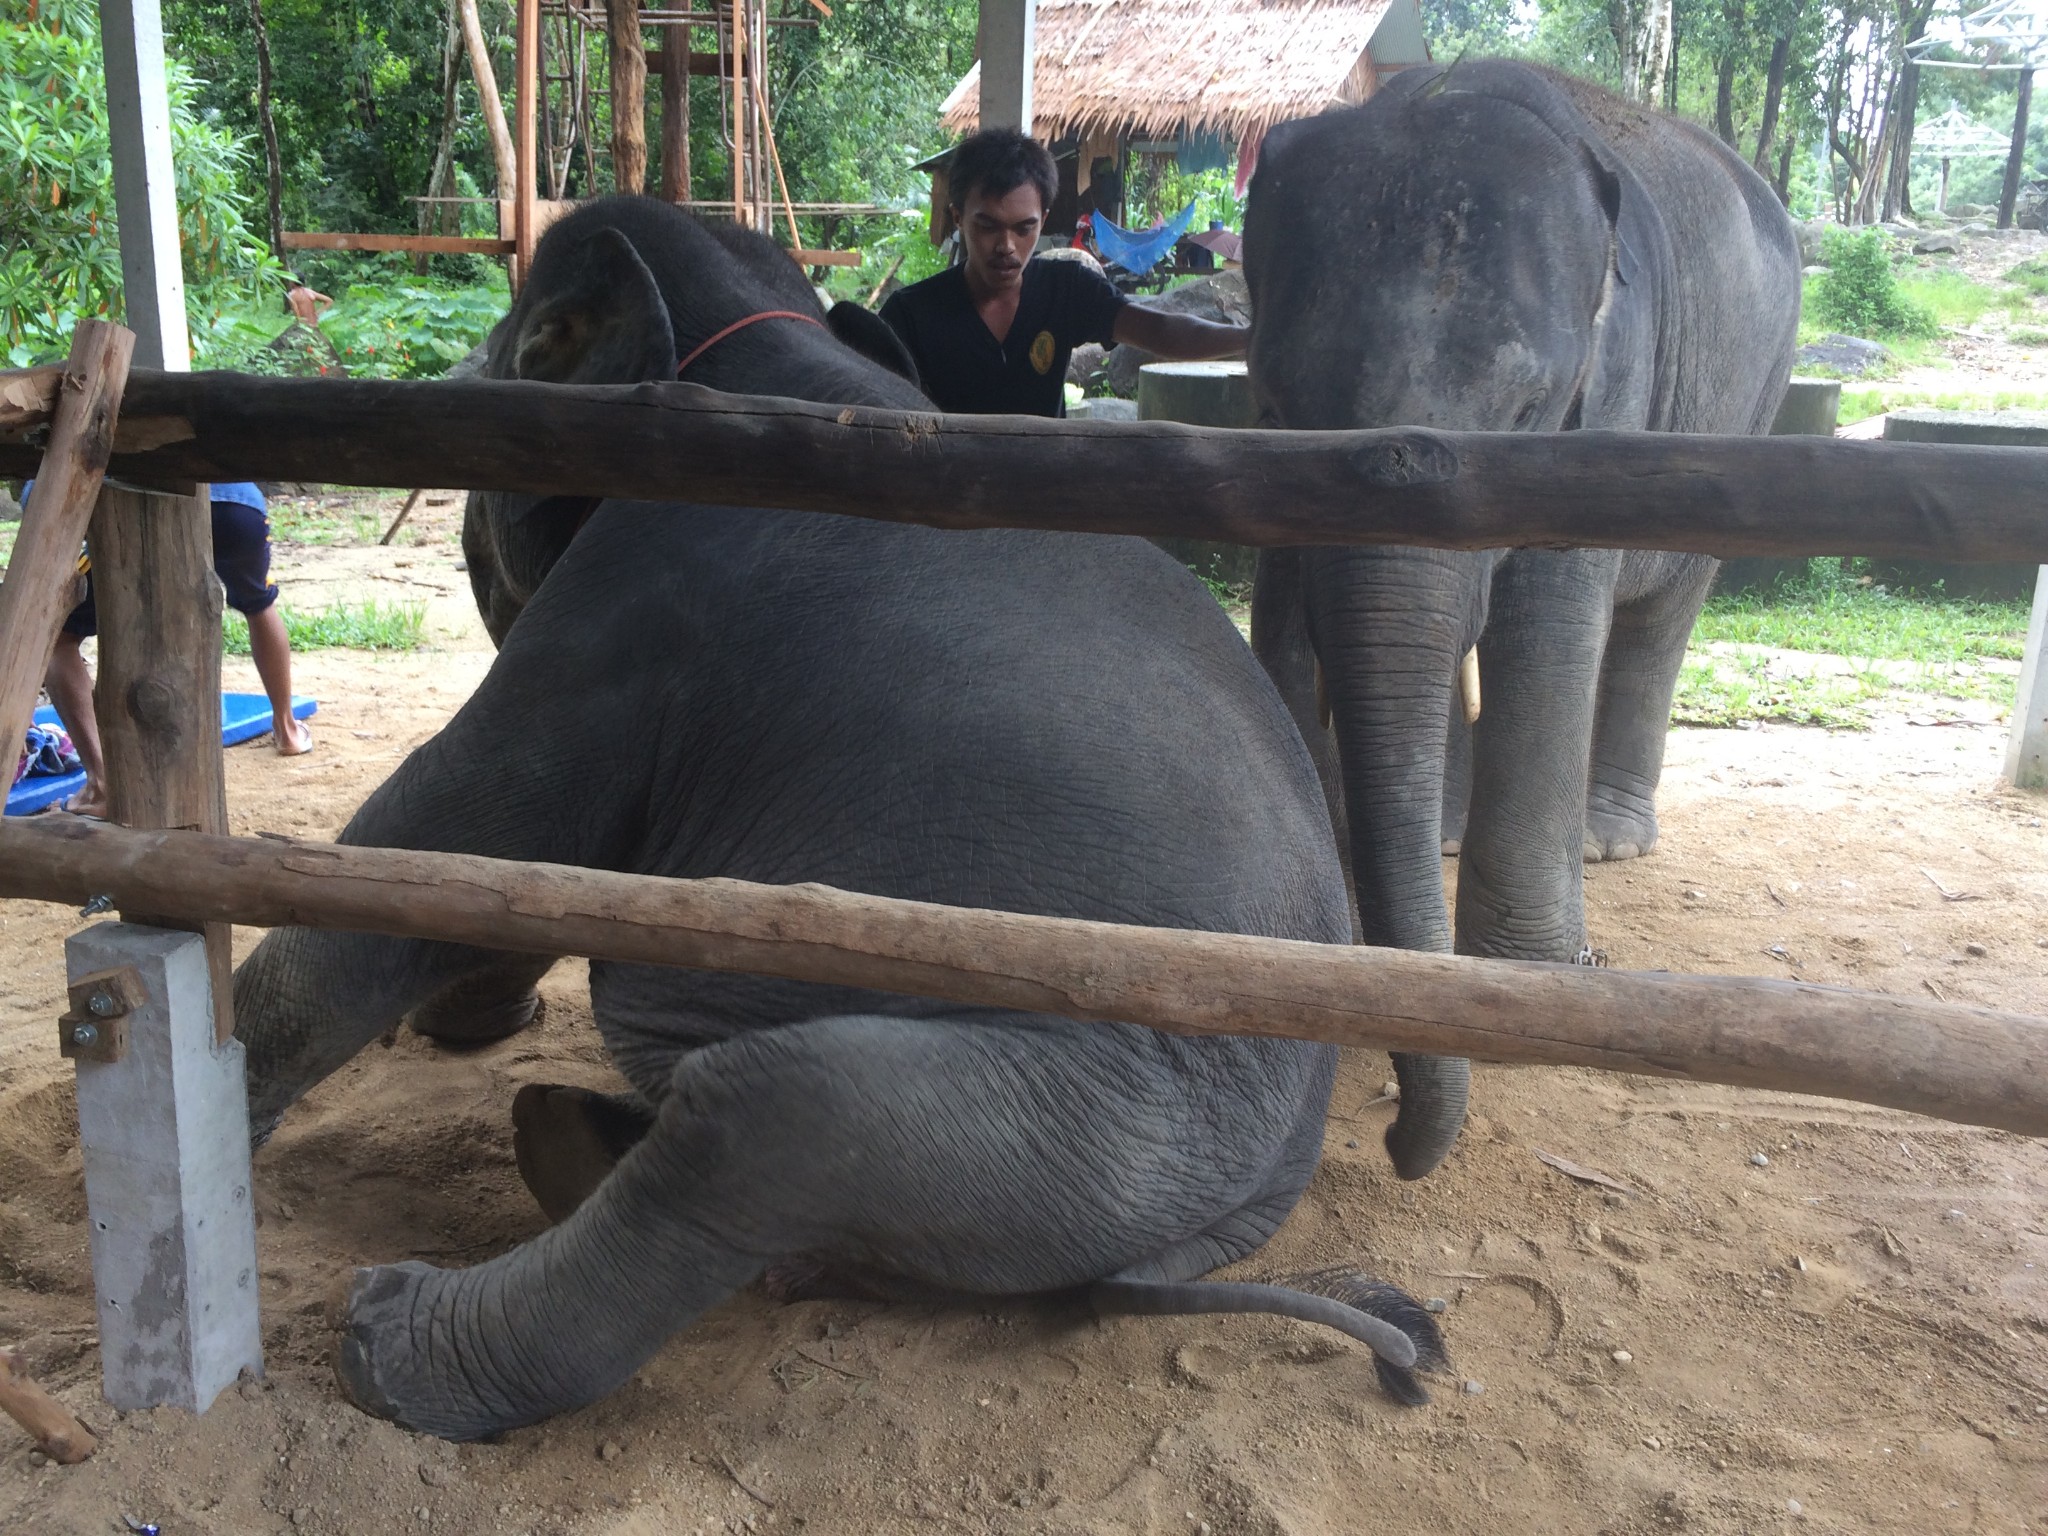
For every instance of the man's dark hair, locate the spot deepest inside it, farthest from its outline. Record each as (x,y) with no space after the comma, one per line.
(997,161)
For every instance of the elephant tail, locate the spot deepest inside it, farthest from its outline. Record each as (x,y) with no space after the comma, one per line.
(1403,1337)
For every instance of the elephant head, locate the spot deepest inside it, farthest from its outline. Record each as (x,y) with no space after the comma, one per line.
(620,291)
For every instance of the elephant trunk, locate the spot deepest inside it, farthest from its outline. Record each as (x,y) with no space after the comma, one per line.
(1390,628)
(1434,1094)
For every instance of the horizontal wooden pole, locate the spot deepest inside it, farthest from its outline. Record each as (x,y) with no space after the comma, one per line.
(434,245)
(1643,490)
(1972,1065)
(806,258)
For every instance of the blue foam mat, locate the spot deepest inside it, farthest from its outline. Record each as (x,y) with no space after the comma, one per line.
(243,717)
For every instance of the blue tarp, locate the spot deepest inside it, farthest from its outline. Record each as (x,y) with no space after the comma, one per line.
(243,717)
(1140,253)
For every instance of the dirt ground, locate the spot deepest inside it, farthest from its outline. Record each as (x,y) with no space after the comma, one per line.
(1806,1315)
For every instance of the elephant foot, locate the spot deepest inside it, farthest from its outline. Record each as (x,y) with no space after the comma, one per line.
(1453,846)
(567,1141)
(388,1313)
(459,1019)
(1613,835)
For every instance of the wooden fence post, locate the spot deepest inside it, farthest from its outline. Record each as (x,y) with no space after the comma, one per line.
(162,1103)
(158,692)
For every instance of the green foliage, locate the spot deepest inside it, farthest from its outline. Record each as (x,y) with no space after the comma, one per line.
(1163,189)
(1860,293)
(370,626)
(410,330)
(62,257)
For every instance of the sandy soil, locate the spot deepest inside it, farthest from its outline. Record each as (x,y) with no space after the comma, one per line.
(1849,1336)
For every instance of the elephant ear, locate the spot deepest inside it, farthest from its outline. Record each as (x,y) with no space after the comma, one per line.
(1617,384)
(594,316)
(872,337)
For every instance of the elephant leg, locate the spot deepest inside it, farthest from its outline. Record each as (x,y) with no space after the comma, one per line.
(488,1005)
(1281,641)
(1520,886)
(566,1141)
(1645,652)
(1390,626)
(306,1001)
(990,1158)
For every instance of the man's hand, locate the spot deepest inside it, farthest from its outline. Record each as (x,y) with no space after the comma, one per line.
(1182,337)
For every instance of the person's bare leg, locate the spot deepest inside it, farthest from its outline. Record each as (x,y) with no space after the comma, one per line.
(70,686)
(271,650)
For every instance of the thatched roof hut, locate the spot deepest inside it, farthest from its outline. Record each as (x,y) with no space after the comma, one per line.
(1170,69)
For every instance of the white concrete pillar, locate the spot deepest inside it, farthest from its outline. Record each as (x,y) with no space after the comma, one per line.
(1008,37)
(165,1130)
(145,201)
(2026,750)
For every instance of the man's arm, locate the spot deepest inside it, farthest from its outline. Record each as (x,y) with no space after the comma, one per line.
(1168,334)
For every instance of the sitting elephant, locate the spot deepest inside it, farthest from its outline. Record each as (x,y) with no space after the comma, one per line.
(883,708)
(1497,247)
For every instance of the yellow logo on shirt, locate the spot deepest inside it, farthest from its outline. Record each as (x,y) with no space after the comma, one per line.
(1041,351)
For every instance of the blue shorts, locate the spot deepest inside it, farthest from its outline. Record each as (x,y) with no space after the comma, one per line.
(241,558)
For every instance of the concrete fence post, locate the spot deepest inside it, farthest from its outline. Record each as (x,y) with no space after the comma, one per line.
(163,1118)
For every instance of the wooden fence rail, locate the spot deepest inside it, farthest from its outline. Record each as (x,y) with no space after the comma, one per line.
(1715,495)
(1973,1065)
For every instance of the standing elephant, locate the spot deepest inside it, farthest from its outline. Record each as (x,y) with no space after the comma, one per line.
(883,708)
(1498,247)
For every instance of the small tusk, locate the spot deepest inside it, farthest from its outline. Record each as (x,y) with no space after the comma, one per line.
(1468,684)
(1322,697)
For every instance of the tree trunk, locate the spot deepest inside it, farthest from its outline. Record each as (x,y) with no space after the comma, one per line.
(1898,192)
(502,152)
(1724,99)
(441,180)
(675,115)
(629,95)
(273,163)
(1783,185)
(1774,97)
(2016,161)
(1644,37)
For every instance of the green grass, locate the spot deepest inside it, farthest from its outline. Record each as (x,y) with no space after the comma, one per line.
(1957,300)
(1943,641)
(2032,276)
(294,522)
(371,626)
(1724,691)
(1842,618)
(1861,403)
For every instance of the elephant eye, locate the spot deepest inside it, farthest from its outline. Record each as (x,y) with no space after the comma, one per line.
(1531,411)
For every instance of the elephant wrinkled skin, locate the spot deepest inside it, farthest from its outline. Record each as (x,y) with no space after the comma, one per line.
(1496,247)
(1039,723)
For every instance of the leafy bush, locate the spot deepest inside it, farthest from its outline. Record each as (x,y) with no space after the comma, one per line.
(410,330)
(62,256)
(1860,293)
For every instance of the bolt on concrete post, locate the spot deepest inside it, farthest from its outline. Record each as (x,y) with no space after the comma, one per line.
(165,1131)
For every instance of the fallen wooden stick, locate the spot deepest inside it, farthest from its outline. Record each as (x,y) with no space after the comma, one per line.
(57,1434)
(404,512)
(1973,1065)
(37,592)
(1402,485)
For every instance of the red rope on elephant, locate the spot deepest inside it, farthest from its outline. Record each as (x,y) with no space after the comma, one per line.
(739,325)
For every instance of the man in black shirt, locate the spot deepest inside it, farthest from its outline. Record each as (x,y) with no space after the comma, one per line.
(992,335)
